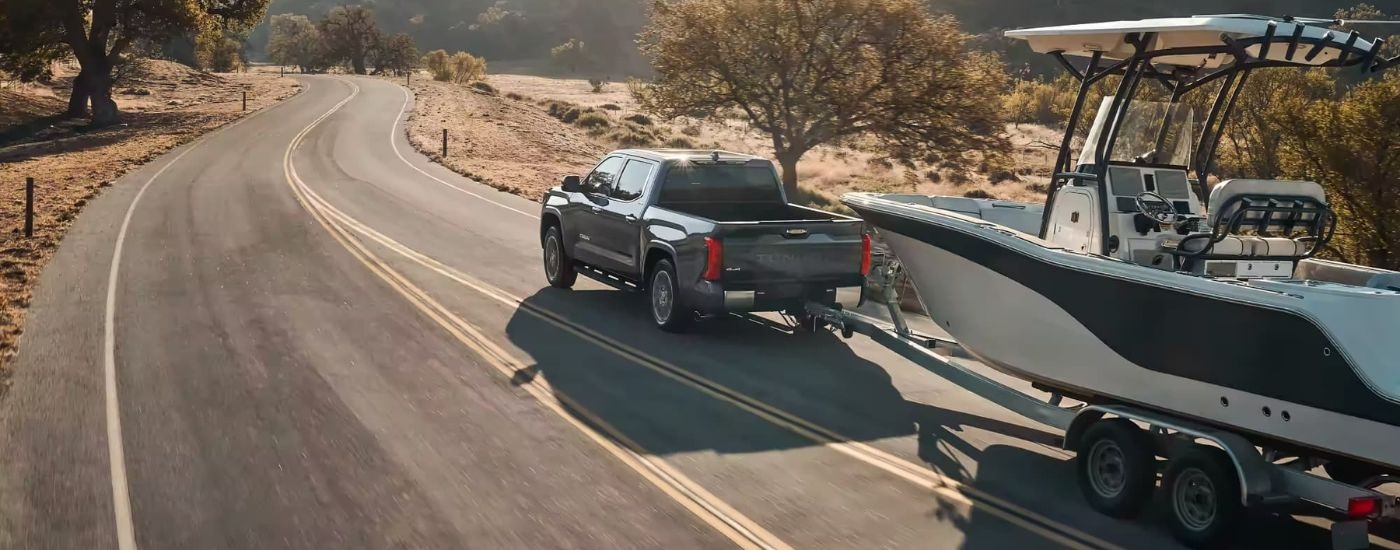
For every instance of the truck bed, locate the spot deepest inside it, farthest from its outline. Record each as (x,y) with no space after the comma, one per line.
(730,212)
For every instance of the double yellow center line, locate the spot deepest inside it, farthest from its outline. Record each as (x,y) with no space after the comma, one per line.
(729,522)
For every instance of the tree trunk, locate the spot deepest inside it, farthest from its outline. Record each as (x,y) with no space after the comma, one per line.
(104,109)
(78,99)
(359,65)
(788,161)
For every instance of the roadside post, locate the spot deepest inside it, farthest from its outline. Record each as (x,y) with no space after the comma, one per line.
(28,207)
(245,100)
(444,143)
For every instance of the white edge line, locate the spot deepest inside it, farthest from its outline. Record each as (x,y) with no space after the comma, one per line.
(393,132)
(116,453)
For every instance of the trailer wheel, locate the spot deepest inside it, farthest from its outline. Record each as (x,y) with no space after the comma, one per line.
(1116,467)
(1204,496)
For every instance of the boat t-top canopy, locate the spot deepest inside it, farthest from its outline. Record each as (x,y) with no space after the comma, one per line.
(1211,42)
(1182,54)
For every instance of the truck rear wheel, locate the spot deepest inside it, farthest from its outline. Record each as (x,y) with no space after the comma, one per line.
(559,268)
(668,308)
(1204,495)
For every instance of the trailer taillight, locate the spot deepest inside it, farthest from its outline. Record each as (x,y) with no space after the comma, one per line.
(714,259)
(1363,507)
(865,255)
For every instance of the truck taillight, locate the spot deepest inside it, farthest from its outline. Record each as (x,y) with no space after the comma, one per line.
(714,259)
(1363,507)
(865,255)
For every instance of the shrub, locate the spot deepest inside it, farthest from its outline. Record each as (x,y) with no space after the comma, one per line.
(999,176)
(628,137)
(610,107)
(691,130)
(879,163)
(597,85)
(957,177)
(978,194)
(933,176)
(639,119)
(680,143)
(515,96)
(1038,188)
(592,120)
(467,68)
(483,87)
(570,115)
(439,63)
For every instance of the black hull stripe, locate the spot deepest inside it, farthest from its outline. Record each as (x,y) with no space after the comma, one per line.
(1263,351)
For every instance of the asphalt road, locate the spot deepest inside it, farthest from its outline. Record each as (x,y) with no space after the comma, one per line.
(342,345)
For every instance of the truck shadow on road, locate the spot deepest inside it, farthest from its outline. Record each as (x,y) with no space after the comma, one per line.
(816,377)
(819,378)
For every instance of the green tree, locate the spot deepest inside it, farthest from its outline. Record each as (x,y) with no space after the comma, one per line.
(1255,144)
(396,55)
(1352,147)
(439,63)
(813,72)
(350,33)
(25,52)
(571,55)
(294,40)
(98,32)
(218,52)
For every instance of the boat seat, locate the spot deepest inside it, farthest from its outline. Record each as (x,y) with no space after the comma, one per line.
(1287,220)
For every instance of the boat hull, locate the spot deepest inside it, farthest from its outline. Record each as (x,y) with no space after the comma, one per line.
(1108,337)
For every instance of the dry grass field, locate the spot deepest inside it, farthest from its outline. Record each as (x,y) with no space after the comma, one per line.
(510,140)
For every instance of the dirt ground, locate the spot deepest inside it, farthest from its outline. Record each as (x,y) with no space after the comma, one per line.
(164,105)
(510,144)
(509,141)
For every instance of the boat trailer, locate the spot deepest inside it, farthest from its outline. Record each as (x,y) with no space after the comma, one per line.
(1265,477)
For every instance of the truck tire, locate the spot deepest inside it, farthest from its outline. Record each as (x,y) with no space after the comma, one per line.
(1203,490)
(559,268)
(668,307)
(1116,467)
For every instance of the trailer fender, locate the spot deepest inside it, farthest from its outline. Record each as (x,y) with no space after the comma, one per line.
(1256,479)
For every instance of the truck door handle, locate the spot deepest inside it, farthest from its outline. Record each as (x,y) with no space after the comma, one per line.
(630,218)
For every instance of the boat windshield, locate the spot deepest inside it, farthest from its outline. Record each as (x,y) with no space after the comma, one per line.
(1151,132)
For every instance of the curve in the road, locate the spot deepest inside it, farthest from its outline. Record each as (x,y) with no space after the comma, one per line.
(916,474)
(116,453)
(724,518)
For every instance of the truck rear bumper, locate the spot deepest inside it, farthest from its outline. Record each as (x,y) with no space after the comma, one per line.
(711,298)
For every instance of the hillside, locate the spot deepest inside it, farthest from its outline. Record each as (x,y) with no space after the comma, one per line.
(527,29)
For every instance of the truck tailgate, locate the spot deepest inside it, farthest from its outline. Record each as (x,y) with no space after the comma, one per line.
(790,252)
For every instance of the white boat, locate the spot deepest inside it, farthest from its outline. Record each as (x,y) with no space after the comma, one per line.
(1134,285)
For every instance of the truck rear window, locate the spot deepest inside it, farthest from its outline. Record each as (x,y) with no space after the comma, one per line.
(707,182)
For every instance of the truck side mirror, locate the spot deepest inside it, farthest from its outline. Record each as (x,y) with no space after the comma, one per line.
(571,184)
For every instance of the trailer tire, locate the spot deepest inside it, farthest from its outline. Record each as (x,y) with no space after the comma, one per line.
(1116,467)
(1203,491)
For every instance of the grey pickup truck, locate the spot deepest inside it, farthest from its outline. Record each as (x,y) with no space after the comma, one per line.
(703,233)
